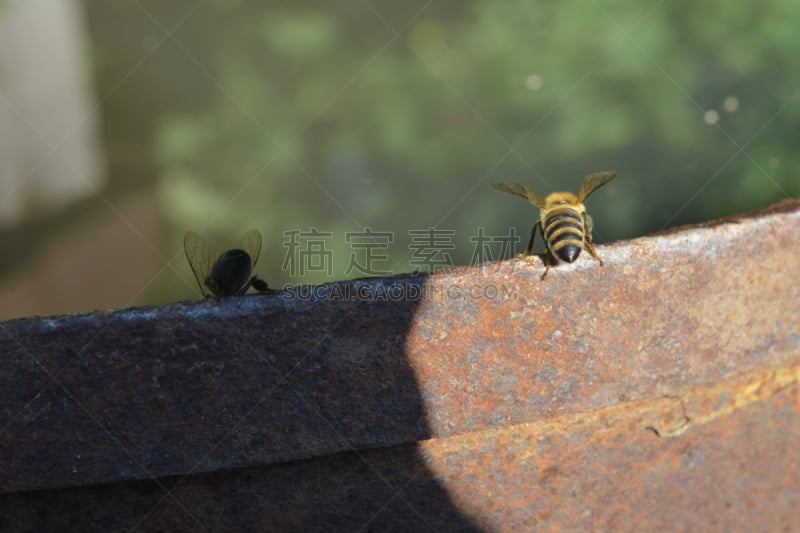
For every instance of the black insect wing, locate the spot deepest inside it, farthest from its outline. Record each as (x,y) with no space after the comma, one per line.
(230,275)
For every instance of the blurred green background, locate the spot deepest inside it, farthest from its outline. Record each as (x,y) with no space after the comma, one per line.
(231,114)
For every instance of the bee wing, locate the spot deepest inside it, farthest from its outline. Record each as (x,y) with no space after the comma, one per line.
(251,243)
(592,182)
(201,257)
(518,189)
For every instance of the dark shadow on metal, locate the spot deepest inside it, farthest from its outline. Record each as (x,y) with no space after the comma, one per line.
(256,413)
(657,391)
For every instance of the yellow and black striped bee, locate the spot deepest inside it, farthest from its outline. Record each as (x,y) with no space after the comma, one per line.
(563,221)
(229,273)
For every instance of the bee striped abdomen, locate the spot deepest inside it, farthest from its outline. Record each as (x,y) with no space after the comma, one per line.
(563,230)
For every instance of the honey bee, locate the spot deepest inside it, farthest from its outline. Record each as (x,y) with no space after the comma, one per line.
(226,274)
(565,225)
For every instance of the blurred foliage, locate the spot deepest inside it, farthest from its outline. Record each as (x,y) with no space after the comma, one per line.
(397,116)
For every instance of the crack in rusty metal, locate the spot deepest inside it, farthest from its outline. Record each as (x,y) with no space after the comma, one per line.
(743,390)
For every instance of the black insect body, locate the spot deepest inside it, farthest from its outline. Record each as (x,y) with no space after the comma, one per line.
(229,273)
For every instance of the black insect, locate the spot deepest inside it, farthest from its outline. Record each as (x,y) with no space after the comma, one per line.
(229,273)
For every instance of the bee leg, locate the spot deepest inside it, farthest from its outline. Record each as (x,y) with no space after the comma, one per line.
(259,284)
(590,249)
(587,239)
(548,260)
(255,282)
(529,248)
(533,236)
(549,256)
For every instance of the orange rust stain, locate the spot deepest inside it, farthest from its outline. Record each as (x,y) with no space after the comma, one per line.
(605,467)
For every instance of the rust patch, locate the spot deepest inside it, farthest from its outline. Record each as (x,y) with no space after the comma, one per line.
(605,469)
(664,314)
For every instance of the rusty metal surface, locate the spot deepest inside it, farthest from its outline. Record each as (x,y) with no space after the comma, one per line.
(484,361)
(717,458)
(730,463)
(665,313)
(202,386)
